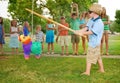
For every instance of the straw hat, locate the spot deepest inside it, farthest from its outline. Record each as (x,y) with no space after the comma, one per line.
(96,8)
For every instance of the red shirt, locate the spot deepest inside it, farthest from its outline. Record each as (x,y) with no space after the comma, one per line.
(62,30)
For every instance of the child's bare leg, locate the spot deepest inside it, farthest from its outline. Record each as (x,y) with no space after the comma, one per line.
(13,49)
(62,49)
(106,42)
(42,46)
(73,46)
(83,45)
(17,51)
(66,47)
(101,68)
(1,48)
(52,46)
(48,47)
(101,46)
(77,47)
(88,68)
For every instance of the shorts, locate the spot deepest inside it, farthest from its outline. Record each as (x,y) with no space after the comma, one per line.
(106,31)
(50,37)
(93,55)
(63,40)
(75,38)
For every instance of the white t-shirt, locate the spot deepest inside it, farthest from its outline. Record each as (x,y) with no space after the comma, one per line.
(14,29)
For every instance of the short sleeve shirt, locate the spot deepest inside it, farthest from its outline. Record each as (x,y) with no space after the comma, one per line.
(63,32)
(39,36)
(75,24)
(97,27)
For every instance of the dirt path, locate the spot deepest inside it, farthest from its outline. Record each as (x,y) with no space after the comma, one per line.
(58,55)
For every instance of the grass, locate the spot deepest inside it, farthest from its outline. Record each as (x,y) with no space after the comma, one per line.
(114,46)
(14,69)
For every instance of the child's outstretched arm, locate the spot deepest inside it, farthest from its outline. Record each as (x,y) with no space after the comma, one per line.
(74,6)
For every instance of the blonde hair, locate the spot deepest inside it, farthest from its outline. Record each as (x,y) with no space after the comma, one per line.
(38,26)
(96,8)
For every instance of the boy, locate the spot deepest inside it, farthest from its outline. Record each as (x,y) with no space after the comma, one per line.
(94,30)
(74,24)
(63,35)
(39,35)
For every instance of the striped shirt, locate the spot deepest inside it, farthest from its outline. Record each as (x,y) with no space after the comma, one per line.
(39,36)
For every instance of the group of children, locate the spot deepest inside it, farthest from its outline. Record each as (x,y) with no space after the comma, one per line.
(91,24)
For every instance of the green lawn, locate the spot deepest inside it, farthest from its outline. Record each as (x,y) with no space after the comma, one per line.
(14,69)
(114,46)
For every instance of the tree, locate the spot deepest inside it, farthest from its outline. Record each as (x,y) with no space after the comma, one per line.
(115,26)
(57,8)
(6,24)
(63,7)
(17,10)
(117,16)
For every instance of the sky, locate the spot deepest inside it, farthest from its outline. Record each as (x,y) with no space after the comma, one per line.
(110,5)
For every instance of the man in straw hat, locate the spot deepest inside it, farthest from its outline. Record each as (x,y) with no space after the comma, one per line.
(94,30)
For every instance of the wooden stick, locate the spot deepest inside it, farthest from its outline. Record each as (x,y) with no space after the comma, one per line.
(51,21)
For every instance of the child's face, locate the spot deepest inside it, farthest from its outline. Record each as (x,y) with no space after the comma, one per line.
(38,28)
(62,20)
(14,23)
(26,24)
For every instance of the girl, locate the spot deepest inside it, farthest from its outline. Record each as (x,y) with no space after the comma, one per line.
(50,37)
(2,36)
(82,25)
(14,32)
(26,32)
(26,28)
(105,37)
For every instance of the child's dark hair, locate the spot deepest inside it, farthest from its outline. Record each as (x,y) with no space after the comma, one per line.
(1,20)
(74,14)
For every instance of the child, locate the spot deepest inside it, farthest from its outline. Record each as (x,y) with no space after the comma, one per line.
(50,37)
(105,37)
(2,35)
(63,35)
(14,33)
(82,24)
(20,30)
(39,35)
(26,28)
(26,47)
(94,29)
(74,24)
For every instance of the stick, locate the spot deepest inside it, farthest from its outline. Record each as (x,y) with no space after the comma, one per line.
(51,21)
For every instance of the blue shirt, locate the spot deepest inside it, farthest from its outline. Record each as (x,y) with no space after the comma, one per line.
(97,27)
(82,21)
(25,31)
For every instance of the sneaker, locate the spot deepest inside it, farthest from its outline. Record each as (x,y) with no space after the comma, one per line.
(84,53)
(107,53)
(52,52)
(48,52)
